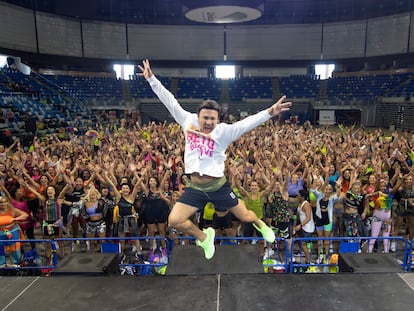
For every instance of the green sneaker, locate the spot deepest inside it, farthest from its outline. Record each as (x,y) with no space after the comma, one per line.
(266,232)
(208,244)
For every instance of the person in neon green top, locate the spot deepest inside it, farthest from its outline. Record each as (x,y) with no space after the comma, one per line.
(206,218)
(254,200)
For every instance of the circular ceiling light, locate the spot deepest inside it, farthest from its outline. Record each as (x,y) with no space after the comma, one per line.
(223,14)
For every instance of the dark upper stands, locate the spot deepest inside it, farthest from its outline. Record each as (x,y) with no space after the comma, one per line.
(367,86)
(300,86)
(33,96)
(139,87)
(199,88)
(89,88)
(60,97)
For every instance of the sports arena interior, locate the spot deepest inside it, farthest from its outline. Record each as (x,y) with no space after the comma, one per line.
(59,56)
(68,69)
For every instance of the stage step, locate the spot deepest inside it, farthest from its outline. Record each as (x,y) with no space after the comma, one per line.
(228,259)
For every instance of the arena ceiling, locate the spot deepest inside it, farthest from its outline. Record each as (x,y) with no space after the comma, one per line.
(207,12)
(189,12)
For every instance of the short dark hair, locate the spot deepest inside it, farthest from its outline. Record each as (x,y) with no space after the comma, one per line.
(107,186)
(209,104)
(304,193)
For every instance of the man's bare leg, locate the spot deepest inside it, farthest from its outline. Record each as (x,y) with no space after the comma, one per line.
(245,215)
(179,218)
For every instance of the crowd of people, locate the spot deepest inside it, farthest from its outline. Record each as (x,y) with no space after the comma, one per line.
(340,182)
(121,178)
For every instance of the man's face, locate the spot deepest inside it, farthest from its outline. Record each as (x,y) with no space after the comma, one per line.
(79,183)
(208,119)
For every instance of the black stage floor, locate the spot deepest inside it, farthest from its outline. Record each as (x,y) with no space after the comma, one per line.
(228,259)
(232,280)
(210,292)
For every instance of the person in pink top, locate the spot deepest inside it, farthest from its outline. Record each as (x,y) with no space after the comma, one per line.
(26,225)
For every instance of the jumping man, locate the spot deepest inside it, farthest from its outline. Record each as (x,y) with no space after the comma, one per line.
(206,141)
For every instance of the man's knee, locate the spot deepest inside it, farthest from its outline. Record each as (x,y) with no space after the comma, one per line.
(174,221)
(179,215)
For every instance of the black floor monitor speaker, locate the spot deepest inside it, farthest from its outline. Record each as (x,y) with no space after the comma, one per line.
(88,264)
(368,263)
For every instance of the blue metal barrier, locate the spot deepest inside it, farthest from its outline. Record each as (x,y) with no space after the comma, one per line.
(281,263)
(346,244)
(155,263)
(182,240)
(410,256)
(33,256)
(283,260)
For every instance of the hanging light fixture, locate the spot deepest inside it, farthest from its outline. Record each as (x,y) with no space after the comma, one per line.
(223,12)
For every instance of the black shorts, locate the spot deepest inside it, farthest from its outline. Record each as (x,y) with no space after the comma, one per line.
(222,222)
(223,199)
(156,215)
(318,221)
(205,223)
(283,230)
(250,231)
(234,218)
(303,234)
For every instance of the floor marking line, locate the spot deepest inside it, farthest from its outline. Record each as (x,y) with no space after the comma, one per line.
(21,293)
(406,281)
(218,291)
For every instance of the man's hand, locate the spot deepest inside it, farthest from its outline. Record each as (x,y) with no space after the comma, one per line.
(146,70)
(279,107)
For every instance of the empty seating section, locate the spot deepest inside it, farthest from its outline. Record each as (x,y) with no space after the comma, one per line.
(51,97)
(300,86)
(250,87)
(26,83)
(362,87)
(34,96)
(26,94)
(140,89)
(88,88)
(405,89)
(202,88)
